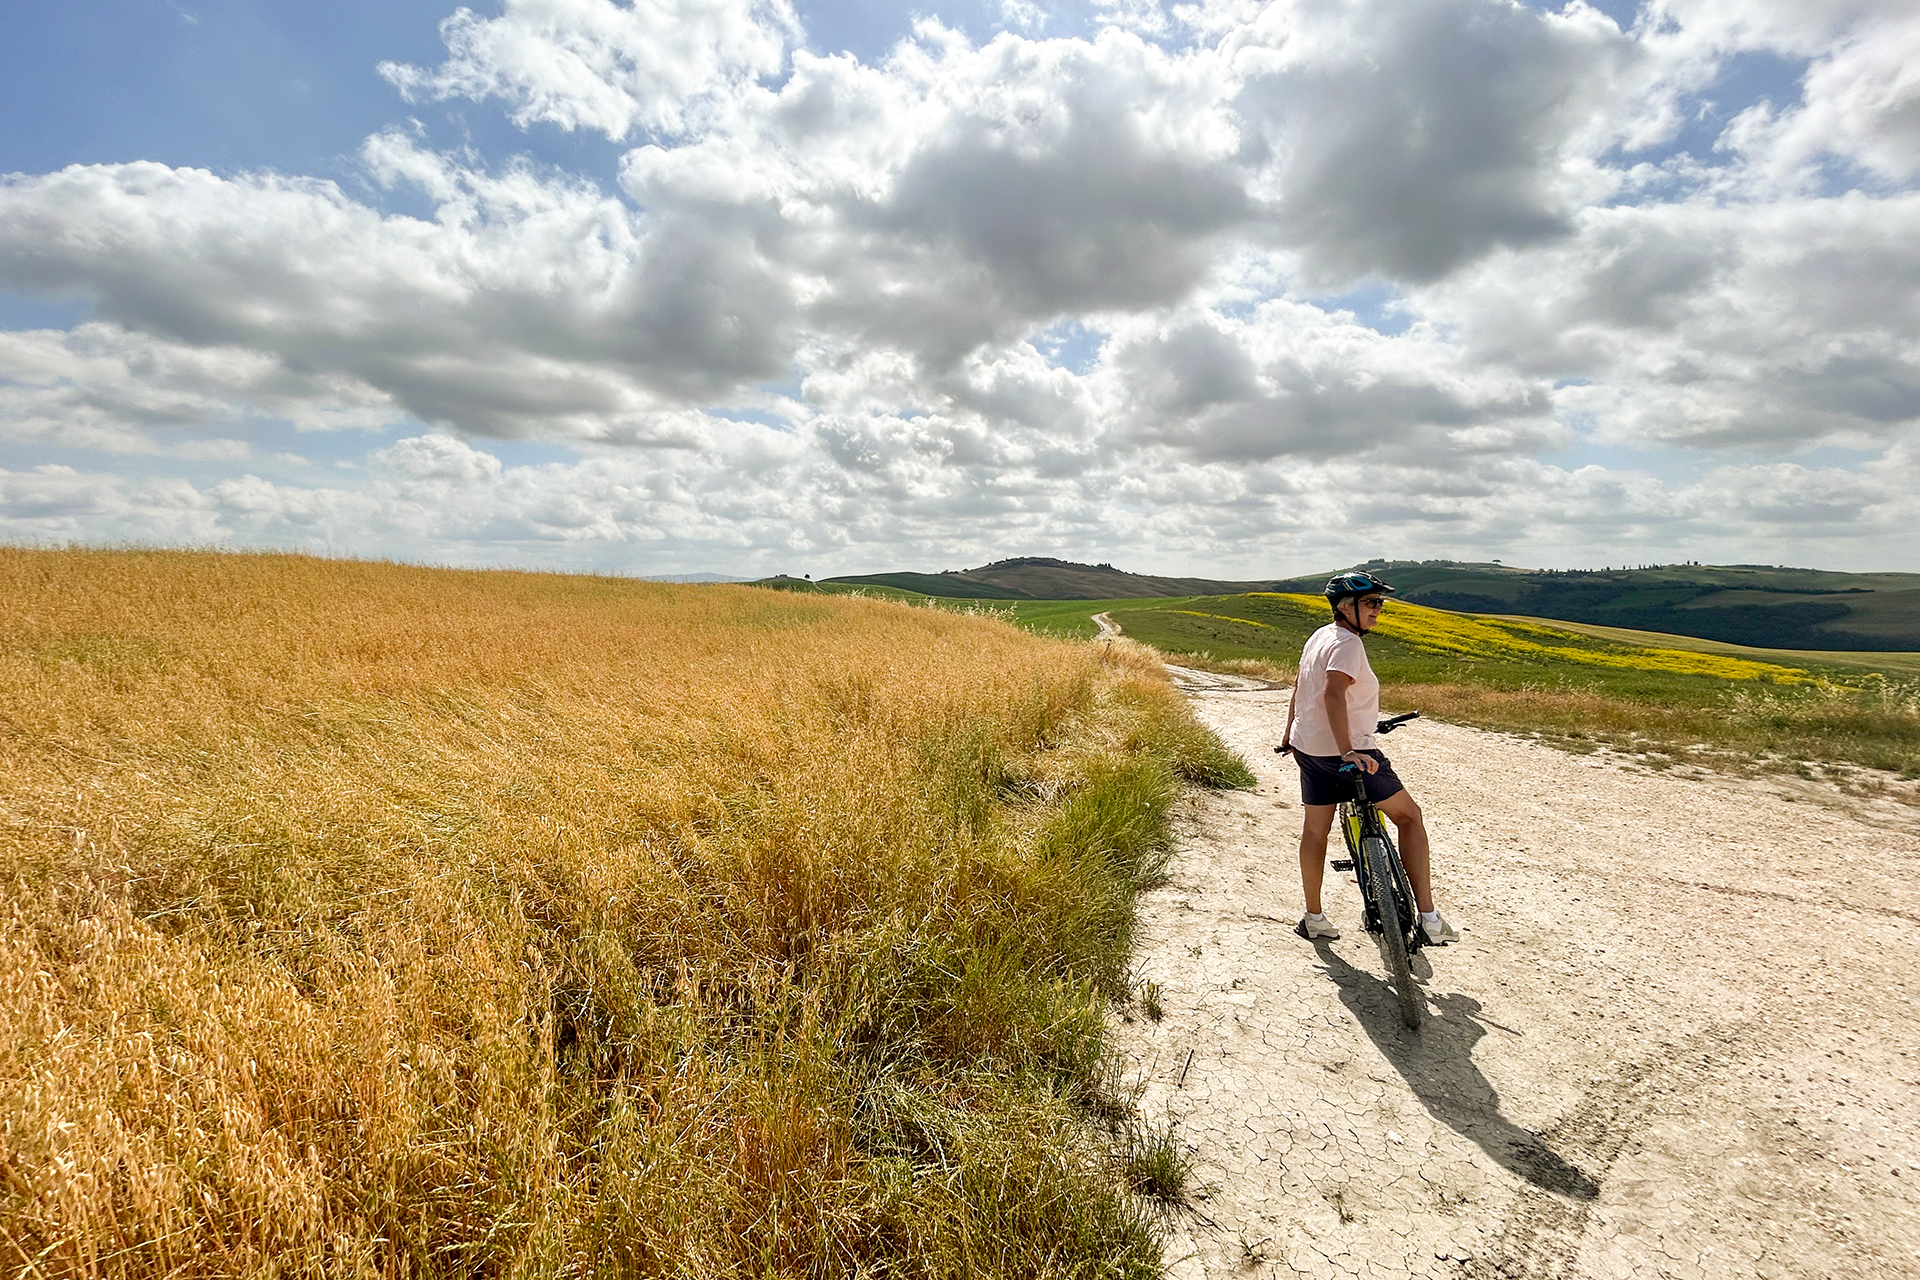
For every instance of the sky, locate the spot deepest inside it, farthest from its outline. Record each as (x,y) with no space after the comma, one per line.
(1241,289)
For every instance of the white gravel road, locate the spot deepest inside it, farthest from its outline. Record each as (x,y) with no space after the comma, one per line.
(1678,1037)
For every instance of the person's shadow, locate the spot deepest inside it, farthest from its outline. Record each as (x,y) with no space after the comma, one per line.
(1437,1064)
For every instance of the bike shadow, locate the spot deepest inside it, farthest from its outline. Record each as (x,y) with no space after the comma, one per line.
(1437,1064)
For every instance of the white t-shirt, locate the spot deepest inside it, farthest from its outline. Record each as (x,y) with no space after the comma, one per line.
(1334,648)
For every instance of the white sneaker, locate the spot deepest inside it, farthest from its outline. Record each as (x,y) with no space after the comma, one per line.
(1438,930)
(1311,928)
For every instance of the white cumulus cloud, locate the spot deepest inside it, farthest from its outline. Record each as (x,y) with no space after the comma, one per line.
(614,68)
(1158,291)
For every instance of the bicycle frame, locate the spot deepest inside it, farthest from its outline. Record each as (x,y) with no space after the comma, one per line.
(1358,820)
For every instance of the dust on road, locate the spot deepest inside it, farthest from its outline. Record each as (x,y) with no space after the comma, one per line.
(1678,1037)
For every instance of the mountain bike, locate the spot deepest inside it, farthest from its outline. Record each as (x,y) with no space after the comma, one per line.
(1387,893)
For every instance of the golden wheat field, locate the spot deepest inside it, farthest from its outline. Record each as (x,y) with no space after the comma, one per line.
(373,920)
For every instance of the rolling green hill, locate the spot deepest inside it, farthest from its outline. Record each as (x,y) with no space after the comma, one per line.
(1044,578)
(949,586)
(1677,697)
(1755,605)
(1758,605)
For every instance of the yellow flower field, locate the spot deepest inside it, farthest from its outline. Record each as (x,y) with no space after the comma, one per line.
(1469,636)
(1527,676)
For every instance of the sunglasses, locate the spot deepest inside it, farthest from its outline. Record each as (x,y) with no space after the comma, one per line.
(1374,602)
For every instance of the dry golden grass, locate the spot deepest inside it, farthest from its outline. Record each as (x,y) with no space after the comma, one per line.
(1555,711)
(374,920)
(1876,728)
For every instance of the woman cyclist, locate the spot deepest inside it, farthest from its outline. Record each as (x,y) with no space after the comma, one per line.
(1330,719)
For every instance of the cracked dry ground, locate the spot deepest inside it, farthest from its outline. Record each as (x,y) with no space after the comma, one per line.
(1677,1039)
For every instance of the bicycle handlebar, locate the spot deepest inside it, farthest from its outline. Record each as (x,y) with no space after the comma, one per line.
(1385,726)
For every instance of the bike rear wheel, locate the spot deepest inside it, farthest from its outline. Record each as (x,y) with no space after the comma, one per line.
(1393,914)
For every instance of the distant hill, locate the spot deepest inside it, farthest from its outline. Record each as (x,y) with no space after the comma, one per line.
(1762,605)
(952,586)
(1044,578)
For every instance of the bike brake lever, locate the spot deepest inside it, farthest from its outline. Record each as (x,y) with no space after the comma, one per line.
(1394,722)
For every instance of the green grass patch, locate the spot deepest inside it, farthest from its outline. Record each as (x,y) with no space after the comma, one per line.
(1158,1164)
(1068,619)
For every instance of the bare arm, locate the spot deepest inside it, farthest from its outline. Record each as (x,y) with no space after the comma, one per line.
(1286,735)
(1338,682)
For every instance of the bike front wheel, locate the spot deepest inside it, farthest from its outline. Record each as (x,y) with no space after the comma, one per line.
(1395,917)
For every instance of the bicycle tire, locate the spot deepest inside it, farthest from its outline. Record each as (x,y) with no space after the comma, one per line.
(1393,931)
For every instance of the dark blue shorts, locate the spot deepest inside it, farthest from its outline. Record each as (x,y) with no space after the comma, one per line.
(1321,781)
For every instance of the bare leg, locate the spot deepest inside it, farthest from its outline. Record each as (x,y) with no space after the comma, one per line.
(1407,817)
(1313,851)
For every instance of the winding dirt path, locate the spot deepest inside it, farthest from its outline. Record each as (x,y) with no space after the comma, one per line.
(1188,679)
(1680,1037)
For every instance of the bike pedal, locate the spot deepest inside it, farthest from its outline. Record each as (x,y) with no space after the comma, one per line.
(1343,864)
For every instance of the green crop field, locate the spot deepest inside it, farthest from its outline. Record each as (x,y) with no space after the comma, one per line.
(1070,619)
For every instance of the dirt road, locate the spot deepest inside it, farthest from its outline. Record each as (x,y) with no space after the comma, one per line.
(1680,1036)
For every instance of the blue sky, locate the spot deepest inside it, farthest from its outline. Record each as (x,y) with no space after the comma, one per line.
(741,287)
(213,83)
(234,84)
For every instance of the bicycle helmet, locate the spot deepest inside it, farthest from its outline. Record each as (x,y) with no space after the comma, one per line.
(1351,586)
(1342,586)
